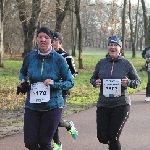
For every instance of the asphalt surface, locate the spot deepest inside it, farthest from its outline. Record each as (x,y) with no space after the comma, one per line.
(135,134)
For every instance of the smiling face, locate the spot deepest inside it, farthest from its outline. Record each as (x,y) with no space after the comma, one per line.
(44,42)
(114,50)
(56,44)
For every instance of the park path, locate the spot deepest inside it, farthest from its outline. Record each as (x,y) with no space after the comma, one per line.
(135,135)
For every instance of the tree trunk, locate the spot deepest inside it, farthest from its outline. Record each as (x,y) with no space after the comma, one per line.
(61,13)
(29,27)
(147,40)
(144,17)
(77,10)
(73,32)
(136,34)
(1,33)
(123,25)
(131,28)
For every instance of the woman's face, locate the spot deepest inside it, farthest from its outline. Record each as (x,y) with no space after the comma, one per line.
(44,42)
(114,50)
(56,45)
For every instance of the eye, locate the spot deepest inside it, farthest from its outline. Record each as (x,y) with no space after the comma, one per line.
(47,37)
(39,37)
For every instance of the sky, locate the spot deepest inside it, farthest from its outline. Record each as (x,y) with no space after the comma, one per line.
(132,1)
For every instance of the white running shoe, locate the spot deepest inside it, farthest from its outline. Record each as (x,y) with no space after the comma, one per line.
(147,99)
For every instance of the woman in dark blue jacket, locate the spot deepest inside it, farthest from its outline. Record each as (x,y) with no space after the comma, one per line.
(57,45)
(48,74)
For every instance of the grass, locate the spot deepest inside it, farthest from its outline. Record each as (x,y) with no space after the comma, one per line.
(83,95)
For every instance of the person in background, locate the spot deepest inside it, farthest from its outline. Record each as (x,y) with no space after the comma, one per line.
(48,74)
(143,56)
(57,45)
(147,57)
(113,75)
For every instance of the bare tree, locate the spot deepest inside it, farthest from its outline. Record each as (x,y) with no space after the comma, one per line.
(73,30)
(99,20)
(61,13)
(133,34)
(144,17)
(79,26)
(148,35)
(29,23)
(123,24)
(1,32)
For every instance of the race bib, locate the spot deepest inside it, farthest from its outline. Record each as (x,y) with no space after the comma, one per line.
(39,93)
(112,87)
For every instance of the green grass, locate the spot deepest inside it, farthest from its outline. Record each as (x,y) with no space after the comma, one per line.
(83,95)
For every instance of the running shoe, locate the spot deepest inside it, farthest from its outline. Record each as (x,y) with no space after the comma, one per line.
(73,131)
(147,99)
(108,146)
(57,146)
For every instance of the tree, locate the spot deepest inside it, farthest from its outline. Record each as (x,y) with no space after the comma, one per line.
(61,13)
(123,24)
(148,35)
(73,31)
(29,23)
(79,27)
(133,36)
(1,32)
(144,17)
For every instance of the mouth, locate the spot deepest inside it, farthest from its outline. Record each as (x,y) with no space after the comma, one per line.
(112,51)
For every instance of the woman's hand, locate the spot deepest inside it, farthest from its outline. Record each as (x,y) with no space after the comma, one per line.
(48,82)
(20,83)
(97,83)
(124,81)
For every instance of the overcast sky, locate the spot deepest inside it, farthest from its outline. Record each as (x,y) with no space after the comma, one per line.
(132,1)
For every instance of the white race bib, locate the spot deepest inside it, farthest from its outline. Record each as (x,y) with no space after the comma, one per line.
(39,93)
(112,87)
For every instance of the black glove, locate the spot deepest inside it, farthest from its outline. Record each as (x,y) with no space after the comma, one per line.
(25,88)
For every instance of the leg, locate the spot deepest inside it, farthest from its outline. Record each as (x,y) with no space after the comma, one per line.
(62,123)
(56,137)
(31,129)
(57,144)
(148,85)
(103,119)
(119,116)
(49,124)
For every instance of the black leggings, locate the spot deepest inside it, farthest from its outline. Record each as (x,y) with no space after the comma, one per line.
(110,122)
(62,123)
(148,85)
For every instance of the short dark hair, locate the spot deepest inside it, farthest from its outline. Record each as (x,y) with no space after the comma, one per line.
(46,30)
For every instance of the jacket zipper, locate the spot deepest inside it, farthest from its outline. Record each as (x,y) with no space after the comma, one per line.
(112,69)
(42,66)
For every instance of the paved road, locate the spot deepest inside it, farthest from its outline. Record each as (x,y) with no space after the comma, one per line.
(135,135)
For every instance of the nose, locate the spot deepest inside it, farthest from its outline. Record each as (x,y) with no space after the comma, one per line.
(43,39)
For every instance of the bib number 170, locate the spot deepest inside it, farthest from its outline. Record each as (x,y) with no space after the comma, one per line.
(40,92)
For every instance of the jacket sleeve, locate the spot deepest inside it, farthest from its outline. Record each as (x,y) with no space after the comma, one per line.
(23,70)
(95,75)
(134,80)
(71,63)
(66,81)
(147,56)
